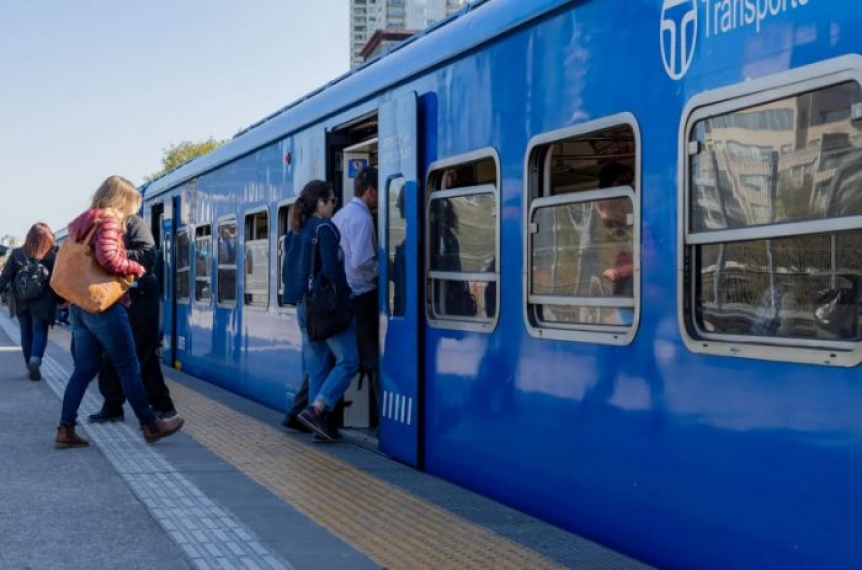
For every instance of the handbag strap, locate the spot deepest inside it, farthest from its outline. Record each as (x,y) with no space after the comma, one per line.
(315,249)
(86,240)
(314,239)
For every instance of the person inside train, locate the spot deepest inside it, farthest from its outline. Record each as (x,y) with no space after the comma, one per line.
(144,319)
(330,363)
(27,273)
(616,219)
(108,332)
(453,297)
(355,221)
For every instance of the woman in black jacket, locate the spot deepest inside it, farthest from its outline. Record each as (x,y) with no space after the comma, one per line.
(27,273)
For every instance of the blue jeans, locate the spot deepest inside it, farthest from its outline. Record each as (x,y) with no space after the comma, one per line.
(34,336)
(327,383)
(109,332)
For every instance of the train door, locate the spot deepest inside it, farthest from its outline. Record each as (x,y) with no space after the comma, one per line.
(400,299)
(168,304)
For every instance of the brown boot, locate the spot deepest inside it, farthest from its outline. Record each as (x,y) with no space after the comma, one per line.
(66,437)
(162,428)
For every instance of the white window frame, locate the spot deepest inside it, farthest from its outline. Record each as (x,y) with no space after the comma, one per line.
(592,333)
(455,322)
(734,98)
(231,219)
(245,242)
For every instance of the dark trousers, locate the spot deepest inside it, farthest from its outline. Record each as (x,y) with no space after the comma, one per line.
(144,318)
(368,339)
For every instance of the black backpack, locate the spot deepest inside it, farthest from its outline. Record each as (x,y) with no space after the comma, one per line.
(31,280)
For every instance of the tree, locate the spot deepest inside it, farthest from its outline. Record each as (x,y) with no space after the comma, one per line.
(178,154)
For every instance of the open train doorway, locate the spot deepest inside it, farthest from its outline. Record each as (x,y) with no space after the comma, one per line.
(352,149)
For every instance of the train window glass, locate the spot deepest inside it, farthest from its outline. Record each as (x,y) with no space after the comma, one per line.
(203,264)
(463,229)
(396,236)
(774,225)
(284,213)
(182,272)
(256,260)
(226,271)
(583,244)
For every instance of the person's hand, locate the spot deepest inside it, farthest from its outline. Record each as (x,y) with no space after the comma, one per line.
(611,274)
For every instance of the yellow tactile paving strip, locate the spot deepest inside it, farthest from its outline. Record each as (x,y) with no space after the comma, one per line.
(387,524)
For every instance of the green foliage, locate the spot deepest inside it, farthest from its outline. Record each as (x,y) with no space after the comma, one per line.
(178,154)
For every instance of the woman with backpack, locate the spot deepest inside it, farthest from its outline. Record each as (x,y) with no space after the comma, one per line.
(27,273)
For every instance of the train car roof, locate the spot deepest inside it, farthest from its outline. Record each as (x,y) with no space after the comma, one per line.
(473,25)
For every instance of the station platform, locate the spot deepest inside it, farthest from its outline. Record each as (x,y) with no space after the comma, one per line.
(235,490)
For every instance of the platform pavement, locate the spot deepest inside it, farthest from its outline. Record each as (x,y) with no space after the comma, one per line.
(176,504)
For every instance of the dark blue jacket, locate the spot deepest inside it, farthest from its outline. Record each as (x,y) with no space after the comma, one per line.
(297,259)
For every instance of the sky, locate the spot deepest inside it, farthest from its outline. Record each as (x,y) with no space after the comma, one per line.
(90,88)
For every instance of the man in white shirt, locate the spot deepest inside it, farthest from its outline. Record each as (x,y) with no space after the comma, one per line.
(355,221)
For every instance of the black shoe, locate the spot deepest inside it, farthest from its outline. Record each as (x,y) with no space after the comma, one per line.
(315,420)
(332,435)
(290,422)
(104,416)
(35,373)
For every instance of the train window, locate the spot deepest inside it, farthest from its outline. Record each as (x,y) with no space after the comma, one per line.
(397,228)
(463,230)
(773,228)
(226,272)
(584,233)
(203,263)
(182,273)
(284,213)
(256,259)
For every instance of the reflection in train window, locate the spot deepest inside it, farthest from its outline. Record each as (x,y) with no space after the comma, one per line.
(397,235)
(284,213)
(182,272)
(774,233)
(584,233)
(256,260)
(226,271)
(463,225)
(203,263)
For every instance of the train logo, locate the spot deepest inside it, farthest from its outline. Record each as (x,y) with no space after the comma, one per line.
(678,36)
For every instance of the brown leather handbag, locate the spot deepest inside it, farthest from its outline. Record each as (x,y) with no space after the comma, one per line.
(78,277)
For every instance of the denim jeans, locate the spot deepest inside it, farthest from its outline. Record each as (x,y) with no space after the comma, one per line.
(327,383)
(109,332)
(34,336)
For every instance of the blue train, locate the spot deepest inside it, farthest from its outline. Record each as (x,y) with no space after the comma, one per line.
(619,247)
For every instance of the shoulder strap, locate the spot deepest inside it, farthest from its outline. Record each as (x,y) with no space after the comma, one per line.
(314,239)
(90,233)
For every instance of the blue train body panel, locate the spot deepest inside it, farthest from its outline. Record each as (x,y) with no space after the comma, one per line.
(680,456)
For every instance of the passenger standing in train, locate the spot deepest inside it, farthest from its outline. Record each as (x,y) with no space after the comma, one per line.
(616,219)
(355,221)
(109,331)
(144,319)
(27,272)
(331,363)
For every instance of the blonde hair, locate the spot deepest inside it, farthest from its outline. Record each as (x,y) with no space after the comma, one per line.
(118,194)
(39,241)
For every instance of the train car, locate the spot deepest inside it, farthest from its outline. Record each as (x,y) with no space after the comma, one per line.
(619,260)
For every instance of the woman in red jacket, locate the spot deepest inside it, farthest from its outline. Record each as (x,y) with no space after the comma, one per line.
(108,331)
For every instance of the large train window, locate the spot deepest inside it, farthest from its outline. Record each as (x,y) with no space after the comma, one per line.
(773,224)
(463,242)
(182,271)
(285,211)
(203,263)
(226,271)
(583,238)
(256,259)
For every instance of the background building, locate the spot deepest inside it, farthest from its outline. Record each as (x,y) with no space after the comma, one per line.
(369,16)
